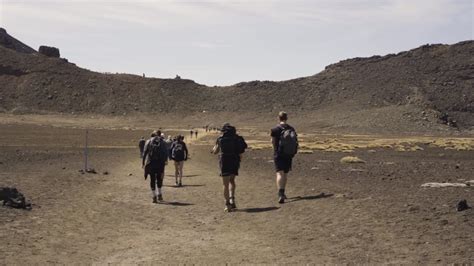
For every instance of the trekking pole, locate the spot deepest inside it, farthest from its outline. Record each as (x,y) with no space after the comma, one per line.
(86,150)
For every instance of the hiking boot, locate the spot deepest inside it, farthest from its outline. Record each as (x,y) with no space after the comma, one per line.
(281,197)
(228,207)
(160,197)
(177,184)
(232,203)
(155,200)
(180,184)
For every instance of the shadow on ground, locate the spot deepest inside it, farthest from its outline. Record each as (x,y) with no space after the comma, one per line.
(175,203)
(253,210)
(183,175)
(174,186)
(313,197)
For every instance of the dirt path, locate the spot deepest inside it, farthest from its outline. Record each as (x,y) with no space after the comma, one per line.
(190,225)
(377,214)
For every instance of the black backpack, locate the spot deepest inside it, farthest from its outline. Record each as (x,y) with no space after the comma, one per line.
(288,144)
(232,145)
(177,153)
(241,144)
(157,151)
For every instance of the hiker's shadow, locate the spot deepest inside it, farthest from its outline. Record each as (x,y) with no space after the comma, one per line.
(255,210)
(312,197)
(175,203)
(183,175)
(174,186)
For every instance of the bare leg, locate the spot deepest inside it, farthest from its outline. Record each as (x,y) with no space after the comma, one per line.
(180,170)
(176,171)
(225,182)
(281,179)
(281,184)
(232,186)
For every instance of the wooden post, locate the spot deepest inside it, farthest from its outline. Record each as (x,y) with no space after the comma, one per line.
(86,151)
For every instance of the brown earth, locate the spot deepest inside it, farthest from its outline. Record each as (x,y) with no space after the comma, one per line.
(385,110)
(376,212)
(396,93)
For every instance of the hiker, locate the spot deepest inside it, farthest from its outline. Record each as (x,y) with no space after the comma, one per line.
(191,133)
(196,134)
(168,142)
(141,146)
(179,154)
(285,147)
(155,157)
(230,147)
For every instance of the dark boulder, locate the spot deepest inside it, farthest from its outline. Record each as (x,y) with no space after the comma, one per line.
(462,205)
(49,51)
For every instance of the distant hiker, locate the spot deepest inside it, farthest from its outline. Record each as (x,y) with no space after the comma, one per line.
(179,154)
(153,134)
(285,147)
(155,157)
(230,147)
(168,142)
(191,133)
(196,133)
(141,146)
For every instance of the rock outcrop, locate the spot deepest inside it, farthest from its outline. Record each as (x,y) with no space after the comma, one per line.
(49,51)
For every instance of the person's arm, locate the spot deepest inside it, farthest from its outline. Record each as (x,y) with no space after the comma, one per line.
(185,151)
(145,153)
(297,142)
(170,150)
(216,149)
(274,139)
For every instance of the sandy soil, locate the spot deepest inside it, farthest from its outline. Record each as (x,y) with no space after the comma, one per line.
(375,212)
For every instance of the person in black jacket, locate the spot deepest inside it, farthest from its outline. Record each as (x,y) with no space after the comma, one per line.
(155,157)
(230,147)
(179,154)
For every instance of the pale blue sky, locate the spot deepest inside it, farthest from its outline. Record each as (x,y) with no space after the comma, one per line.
(225,42)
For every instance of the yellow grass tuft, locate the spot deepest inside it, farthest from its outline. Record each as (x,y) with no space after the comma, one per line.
(351,159)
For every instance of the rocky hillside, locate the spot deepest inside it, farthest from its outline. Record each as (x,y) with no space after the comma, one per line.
(10,42)
(418,90)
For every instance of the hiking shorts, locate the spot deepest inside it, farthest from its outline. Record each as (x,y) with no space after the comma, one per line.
(229,165)
(282,163)
(154,170)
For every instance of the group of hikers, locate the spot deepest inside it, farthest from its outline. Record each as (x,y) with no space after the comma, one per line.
(156,151)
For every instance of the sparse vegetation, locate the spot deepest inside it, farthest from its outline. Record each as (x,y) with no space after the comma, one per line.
(349,143)
(351,159)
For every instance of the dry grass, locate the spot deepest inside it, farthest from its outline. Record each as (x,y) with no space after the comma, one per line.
(351,159)
(349,143)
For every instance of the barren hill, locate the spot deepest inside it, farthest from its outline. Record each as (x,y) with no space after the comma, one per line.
(415,91)
(10,42)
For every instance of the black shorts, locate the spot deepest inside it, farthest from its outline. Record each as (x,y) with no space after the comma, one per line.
(155,169)
(282,163)
(229,165)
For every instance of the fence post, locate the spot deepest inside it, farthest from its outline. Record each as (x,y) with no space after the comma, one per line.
(86,150)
